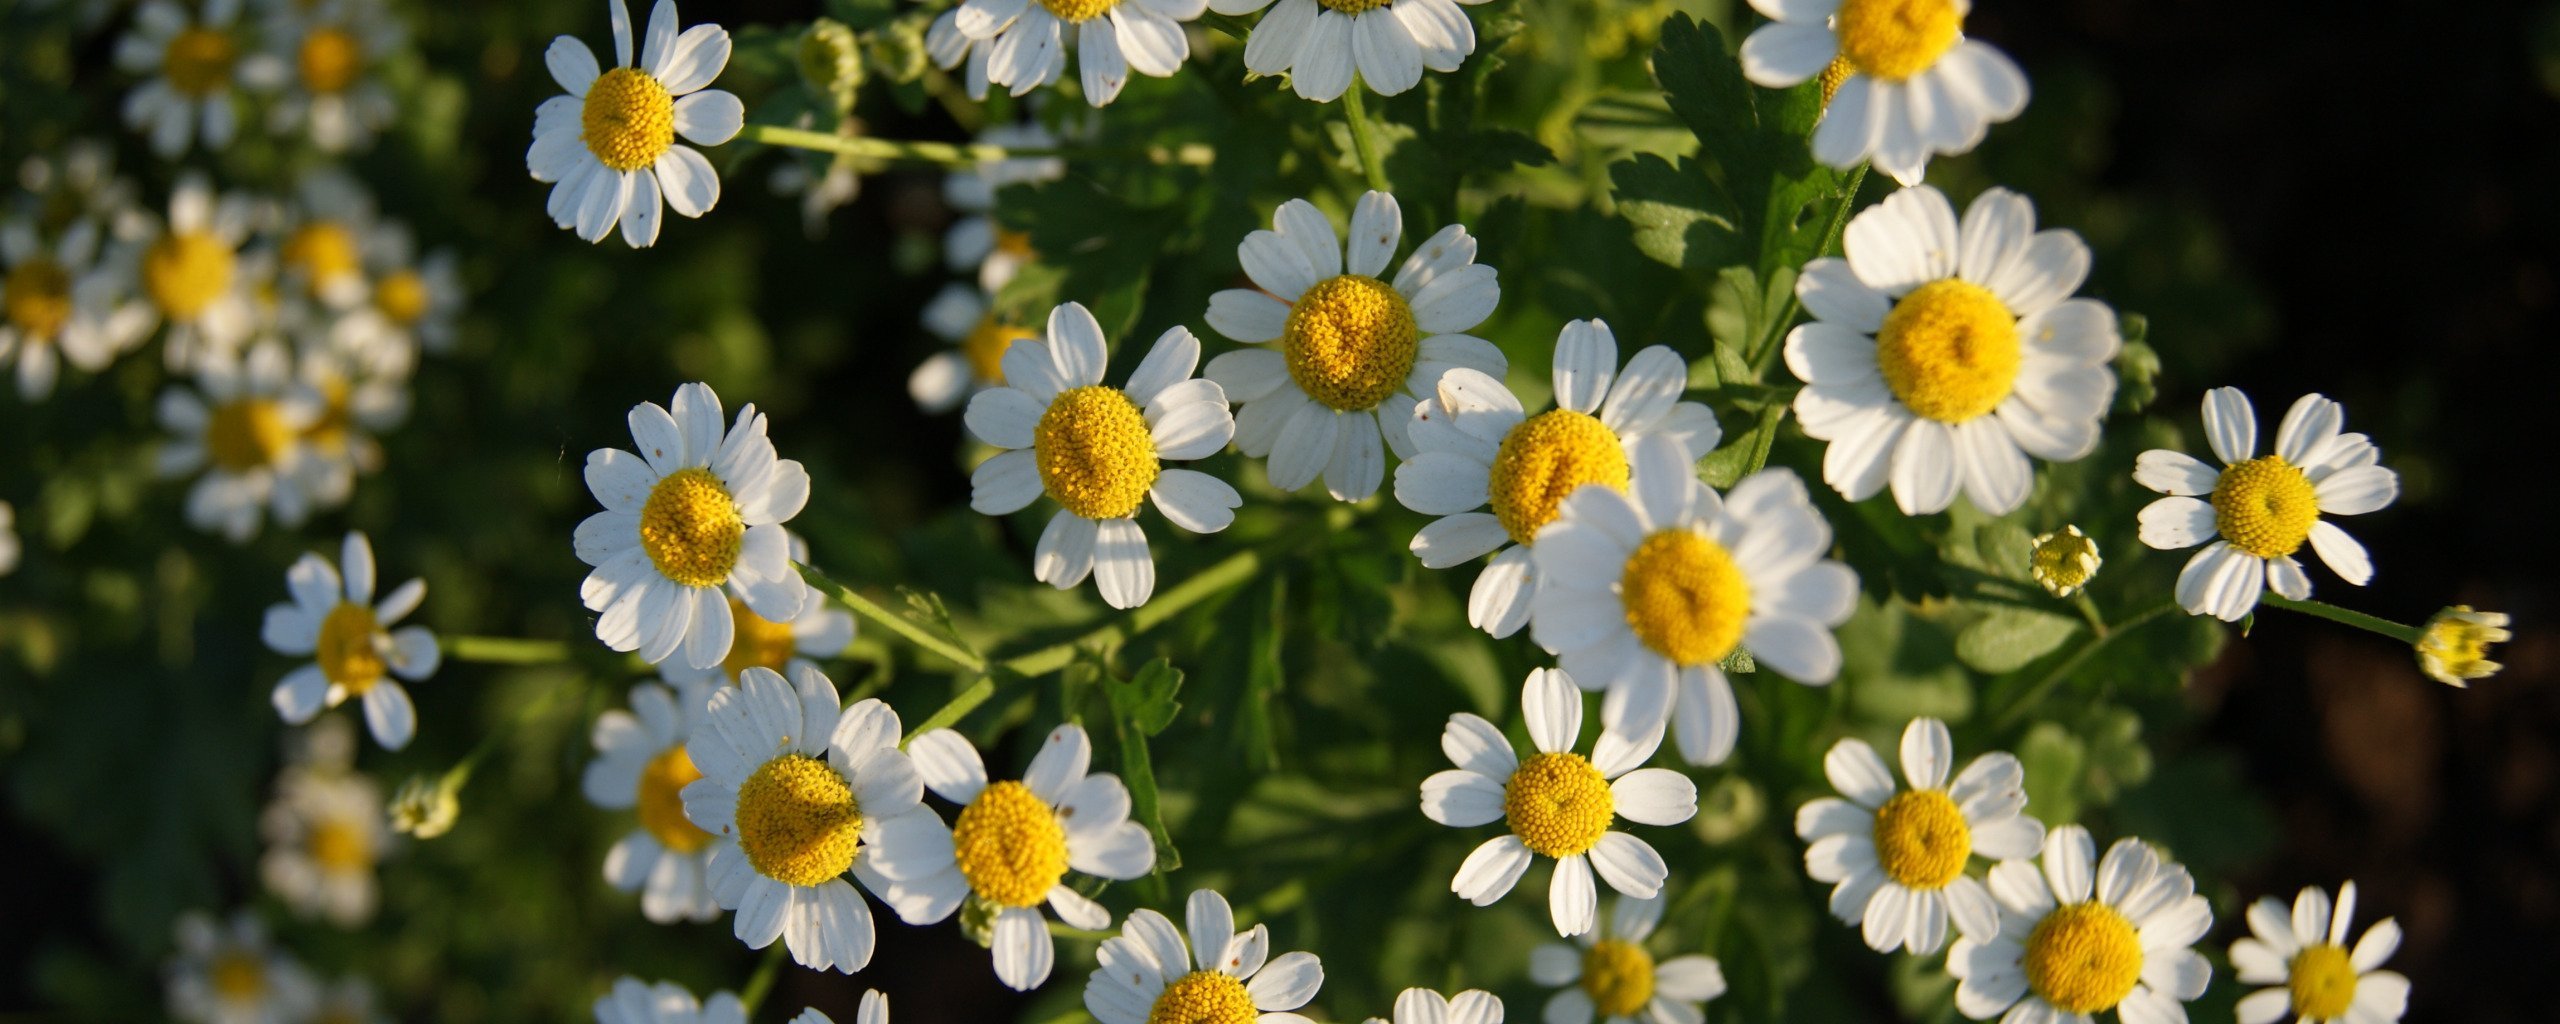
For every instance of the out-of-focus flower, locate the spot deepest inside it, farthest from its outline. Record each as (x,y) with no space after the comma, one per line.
(325,833)
(323,61)
(230,975)
(2454,648)
(191,59)
(641,764)
(960,314)
(243,430)
(425,807)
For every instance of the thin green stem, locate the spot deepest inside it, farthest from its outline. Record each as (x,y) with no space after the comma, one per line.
(2035,694)
(1210,582)
(761,983)
(960,704)
(1765,436)
(1830,239)
(503,650)
(2089,612)
(2348,617)
(1357,113)
(963,154)
(894,622)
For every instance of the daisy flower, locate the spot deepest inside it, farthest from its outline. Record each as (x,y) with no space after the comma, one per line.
(1147,973)
(641,764)
(2314,974)
(1912,84)
(633,1001)
(799,793)
(2257,511)
(950,48)
(415,300)
(323,55)
(1898,855)
(695,517)
(1557,804)
(58,303)
(1356,353)
(1613,976)
(354,650)
(1646,592)
(1423,1006)
(193,272)
(325,832)
(874,1010)
(1014,843)
(1112,38)
(1319,43)
(2072,944)
(2453,649)
(609,146)
(191,62)
(821,630)
(1474,447)
(362,379)
(1942,355)
(976,242)
(328,230)
(244,433)
(961,315)
(1099,451)
(230,975)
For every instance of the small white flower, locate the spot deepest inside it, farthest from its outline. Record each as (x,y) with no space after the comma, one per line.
(230,975)
(1913,85)
(2315,975)
(975,243)
(874,1010)
(821,630)
(1557,804)
(633,1001)
(245,431)
(193,63)
(363,382)
(1355,354)
(609,146)
(1613,977)
(1148,974)
(354,650)
(962,315)
(321,62)
(1319,43)
(60,303)
(1112,38)
(2072,944)
(950,48)
(1099,452)
(641,763)
(1474,446)
(2257,511)
(1898,855)
(1423,1006)
(325,832)
(194,274)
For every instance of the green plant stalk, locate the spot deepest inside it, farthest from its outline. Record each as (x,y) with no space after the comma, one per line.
(1356,112)
(894,622)
(761,983)
(2348,617)
(1830,238)
(1764,436)
(2036,694)
(503,650)
(962,154)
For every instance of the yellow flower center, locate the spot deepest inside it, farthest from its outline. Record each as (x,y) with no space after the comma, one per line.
(758,642)
(331,58)
(1558,804)
(238,977)
(797,821)
(1685,598)
(323,251)
(628,119)
(1543,459)
(1921,839)
(185,272)
(339,846)
(661,801)
(402,296)
(1949,350)
(1203,997)
(2455,646)
(198,62)
(2323,982)
(1096,456)
(1618,975)
(985,346)
(1351,341)
(691,529)
(1010,846)
(350,650)
(1896,39)
(1078,11)
(1833,74)
(37,298)
(2063,561)
(246,434)
(1354,6)
(2264,506)
(2083,958)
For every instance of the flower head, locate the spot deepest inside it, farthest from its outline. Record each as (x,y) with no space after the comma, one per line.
(1112,38)
(1319,43)
(231,975)
(325,833)
(425,807)
(1609,973)
(2074,941)
(1424,1006)
(2063,561)
(191,58)
(195,276)
(642,764)
(2310,970)
(633,1001)
(609,147)
(1912,84)
(1898,855)
(60,302)
(2454,647)
(979,335)
(322,62)
(1149,976)
(355,653)
(240,430)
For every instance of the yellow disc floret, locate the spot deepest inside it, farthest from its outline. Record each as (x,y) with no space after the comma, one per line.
(691,529)
(1833,74)
(1921,839)
(797,821)
(330,59)
(1351,341)
(986,344)
(1544,458)
(350,647)
(1010,846)
(185,271)
(2063,561)
(237,976)
(1618,976)
(757,642)
(628,119)
(402,296)
(1685,598)
(323,251)
(2323,981)
(1095,453)
(1896,39)
(246,434)
(2264,506)
(198,62)
(661,801)
(1075,12)
(1204,997)
(1558,804)
(37,298)
(340,845)
(1949,350)
(2083,958)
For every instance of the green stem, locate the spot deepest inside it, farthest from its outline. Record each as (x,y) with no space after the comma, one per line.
(1764,436)
(895,623)
(2089,611)
(963,154)
(2036,694)
(761,982)
(1358,115)
(2347,616)
(1830,239)
(961,703)
(503,650)
(1210,582)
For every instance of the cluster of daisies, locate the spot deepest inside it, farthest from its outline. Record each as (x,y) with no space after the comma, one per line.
(985,256)
(306,69)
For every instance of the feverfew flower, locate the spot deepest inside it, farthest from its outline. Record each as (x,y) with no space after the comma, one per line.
(2063,561)
(2314,973)
(1910,83)
(976,243)
(2073,944)
(230,975)
(633,1001)
(57,304)
(244,432)
(960,314)
(1319,43)
(609,146)
(821,630)
(324,56)
(193,272)
(325,832)
(1423,1006)
(2257,511)
(641,763)
(354,650)
(1112,38)
(1148,975)
(1898,855)
(1613,977)
(193,61)
(2454,647)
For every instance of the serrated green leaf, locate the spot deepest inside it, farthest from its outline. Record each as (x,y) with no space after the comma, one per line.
(1681,218)
(2009,639)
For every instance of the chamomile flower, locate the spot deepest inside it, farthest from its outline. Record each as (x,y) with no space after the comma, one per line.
(2453,649)
(1912,85)
(694,518)
(2315,975)
(1612,976)
(232,975)
(1112,38)
(950,49)
(194,274)
(960,314)
(326,55)
(641,764)
(1942,355)
(416,300)
(821,630)
(1646,592)
(1319,43)
(976,243)
(355,652)
(608,147)
(1099,452)
(633,1001)
(242,429)
(1355,353)
(1423,1006)
(2063,561)
(800,792)
(326,234)
(1897,855)
(1014,843)
(325,832)
(2255,513)
(58,304)
(1474,446)
(191,56)
(1556,804)
(363,383)
(2073,944)
(1149,976)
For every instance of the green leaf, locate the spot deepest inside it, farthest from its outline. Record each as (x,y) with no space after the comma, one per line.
(1141,707)
(1705,84)
(2054,761)
(1681,218)
(2009,639)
